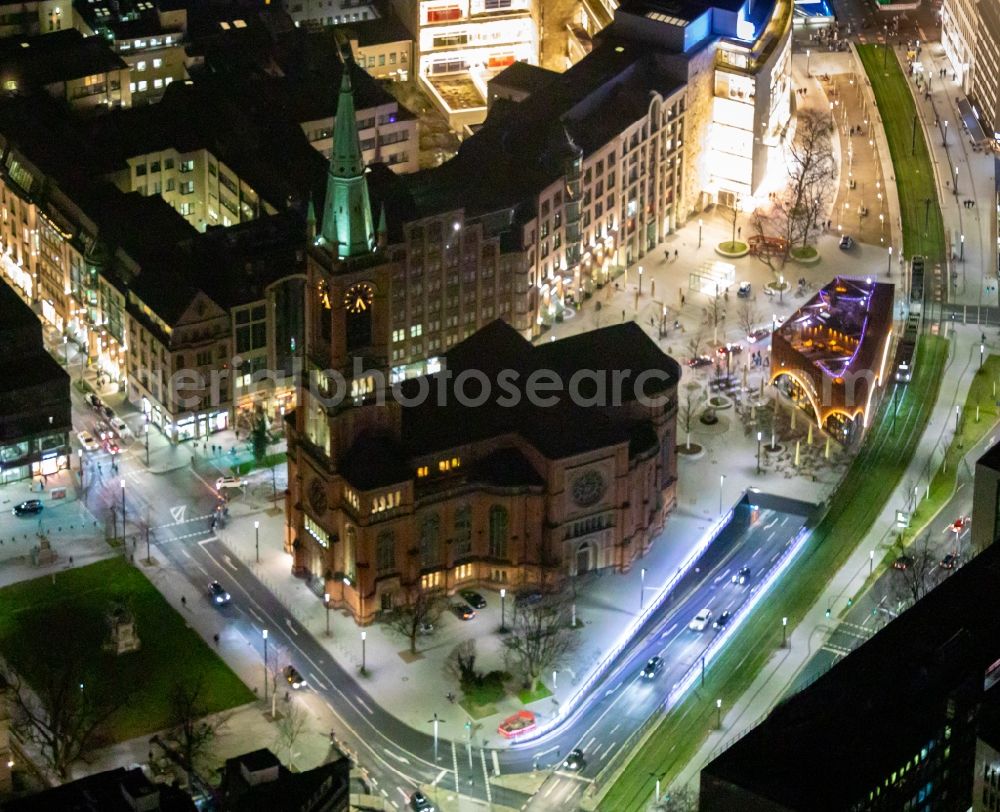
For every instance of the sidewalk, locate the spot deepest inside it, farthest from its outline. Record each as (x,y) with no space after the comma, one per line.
(775,678)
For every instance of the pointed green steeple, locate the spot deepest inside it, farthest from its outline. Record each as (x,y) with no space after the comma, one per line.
(347,214)
(311,219)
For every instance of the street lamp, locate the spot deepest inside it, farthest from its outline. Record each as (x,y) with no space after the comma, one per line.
(784,632)
(961,255)
(808,60)
(722,482)
(147,438)
(888,271)
(640,280)
(123,515)
(701,222)
(264,633)
(955,184)
(436,721)
(326,602)
(871,561)
(718,714)
(781,288)
(364,637)
(503,600)
(759,436)
(945,142)
(642,587)
(256,539)
(982,352)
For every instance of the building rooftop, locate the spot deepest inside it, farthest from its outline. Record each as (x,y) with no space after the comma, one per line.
(387,28)
(118,790)
(525,76)
(447,421)
(47,58)
(279,788)
(844,734)
(832,328)
(519,152)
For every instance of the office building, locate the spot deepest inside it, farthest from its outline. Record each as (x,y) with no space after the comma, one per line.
(894,725)
(986,500)
(259,782)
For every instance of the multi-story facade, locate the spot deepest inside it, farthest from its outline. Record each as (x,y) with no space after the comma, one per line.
(325,13)
(26,18)
(383,47)
(82,71)
(35,416)
(148,38)
(970,35)
(959,32)
(388,497)
(462,44)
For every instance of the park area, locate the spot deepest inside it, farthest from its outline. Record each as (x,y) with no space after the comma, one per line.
(55,632)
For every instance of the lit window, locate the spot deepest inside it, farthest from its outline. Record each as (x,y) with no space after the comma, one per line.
(313,529)
(422,471)
(140,66)
(143,85)
(157,63)
(131,86)
(157,83)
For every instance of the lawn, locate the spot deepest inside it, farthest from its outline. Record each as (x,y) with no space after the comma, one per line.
(923,229)
(244,468)
(42,618)
(871,479)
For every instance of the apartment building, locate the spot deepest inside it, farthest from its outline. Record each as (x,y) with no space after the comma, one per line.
(149,37)
(383,47)
(985,94)
(82,71)
(462,44)
(26,18)
(313,14)
(959,33)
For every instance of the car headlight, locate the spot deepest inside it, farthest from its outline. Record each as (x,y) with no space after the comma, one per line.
(218,598)
(227,596)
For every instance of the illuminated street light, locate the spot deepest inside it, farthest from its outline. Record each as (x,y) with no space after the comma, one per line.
(759,436)
(889,269)
(700,224)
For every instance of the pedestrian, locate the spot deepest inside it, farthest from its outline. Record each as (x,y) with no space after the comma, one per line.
(215,638)
(676,253)
(683,300)
(623,315)
(183,601)
(666,255)
(739,232)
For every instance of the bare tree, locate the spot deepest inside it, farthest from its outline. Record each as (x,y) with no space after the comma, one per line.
(767,224)
(193,731)
(421,612)
(915,565)
(748,316)
(732,215)
(715,311)
(63,710)
(290,726)
(694,343)
(811,171)
(687,410)
(540,637)
(461,663)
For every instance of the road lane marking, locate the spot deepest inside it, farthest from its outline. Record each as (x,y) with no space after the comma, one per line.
(668,631)
(364,705)
(231,565)
(586,747)
(486,777)
(396,756)
(258,617)
(755,553)
(615,728)
(177,513)
(317,680)
(604,755)
(773,534)
(496,763)
(291,628)
(440,775)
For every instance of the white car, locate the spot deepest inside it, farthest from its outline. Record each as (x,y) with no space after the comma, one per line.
(700,622)
(224,483)
(87,441)
(120,427)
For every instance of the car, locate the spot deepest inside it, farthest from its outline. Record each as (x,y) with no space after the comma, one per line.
(700,621)
(420,803)
(723,620)
(425,628)
(744,290)
(903,562)
(474,599)
(846,242)
(758,334)
(87,441)
(28,508)
(741,577)
(949,562)
(111,445)
(225,483)
(120,427)
(653,666)
(730,349)
(106,411)
(94,401)
(218,595)
(463,611)
(102,430)
(528,597)
(574,760)
(294,678)
(700,361)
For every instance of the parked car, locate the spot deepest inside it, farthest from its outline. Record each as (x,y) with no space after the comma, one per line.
(120,427)
(111,445)
(87,441)
(744,290)
(528,597)
(700,621)
(730,349)
(700,361)
(474,599)
(758,334)
(217,594)
(106,411)
(463,611)
(225,483)
(846,242)
(94,401)
(949,562)
(426,628)
(574,760)
(653,666)
(903,562)
(420,803)
(723,620)
(28,508)
(741,577)
(294,678)
(102,430)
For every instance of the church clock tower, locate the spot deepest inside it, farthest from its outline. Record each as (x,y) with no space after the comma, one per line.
(347,364)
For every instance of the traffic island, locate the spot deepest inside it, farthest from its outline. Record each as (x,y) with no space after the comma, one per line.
(805,255)
(732,249)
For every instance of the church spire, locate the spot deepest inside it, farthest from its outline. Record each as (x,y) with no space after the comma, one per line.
(347,214)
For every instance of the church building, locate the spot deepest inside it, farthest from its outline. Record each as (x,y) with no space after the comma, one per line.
(513,465)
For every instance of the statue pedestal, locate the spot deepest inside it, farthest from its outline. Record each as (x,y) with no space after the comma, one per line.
(43,553)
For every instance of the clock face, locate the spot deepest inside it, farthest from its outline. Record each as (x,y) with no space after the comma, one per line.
(588,488)
(317,496)
(358,298)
